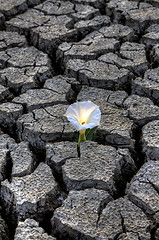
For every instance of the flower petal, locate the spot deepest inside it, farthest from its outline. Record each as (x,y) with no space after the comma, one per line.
(95,116)
(74,122)
(86,109)
(83,115)
(74,111)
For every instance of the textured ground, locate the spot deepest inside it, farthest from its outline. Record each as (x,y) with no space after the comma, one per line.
(53,53)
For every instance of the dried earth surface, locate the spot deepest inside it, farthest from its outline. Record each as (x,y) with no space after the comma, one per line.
(54,53)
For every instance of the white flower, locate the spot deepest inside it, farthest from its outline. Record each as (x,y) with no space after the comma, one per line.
(83,115)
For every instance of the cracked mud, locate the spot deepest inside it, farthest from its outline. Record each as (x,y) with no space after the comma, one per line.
(52,54)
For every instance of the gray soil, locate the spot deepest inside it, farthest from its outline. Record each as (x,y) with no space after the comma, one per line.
(54,53)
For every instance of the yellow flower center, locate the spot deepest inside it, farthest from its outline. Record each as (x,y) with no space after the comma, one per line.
(83,122)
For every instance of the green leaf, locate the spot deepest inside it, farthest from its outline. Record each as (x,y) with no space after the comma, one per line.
(87,131)
(76,136)
(89,135)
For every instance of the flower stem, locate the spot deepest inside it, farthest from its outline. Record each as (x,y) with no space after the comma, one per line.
(82,136)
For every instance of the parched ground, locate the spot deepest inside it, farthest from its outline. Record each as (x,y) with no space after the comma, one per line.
(56,52)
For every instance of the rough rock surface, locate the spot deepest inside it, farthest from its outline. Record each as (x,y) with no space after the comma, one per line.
(141,109)
(147,86)
(37,98)
(3,164)
(86,26)
(115,128)
(150,140)
(102,171)
(56,91)
(10,40)
(22,160)
(155,54)
(79,214)
(4,234)
(29,229)
(44,21)
(2,21)
(96,73)
(157,233)
(95,221)
(98,96)
(87,49)
(32,195)
(43,125)
(136,15)
(24,68)
(13,7)
(97,43)
(9,113)
(24,57)
(96,3)
(135,65)
(6,142)
(136,53)
(4,93)
(151,36)
(52,54)
(58,153)
(143,190)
